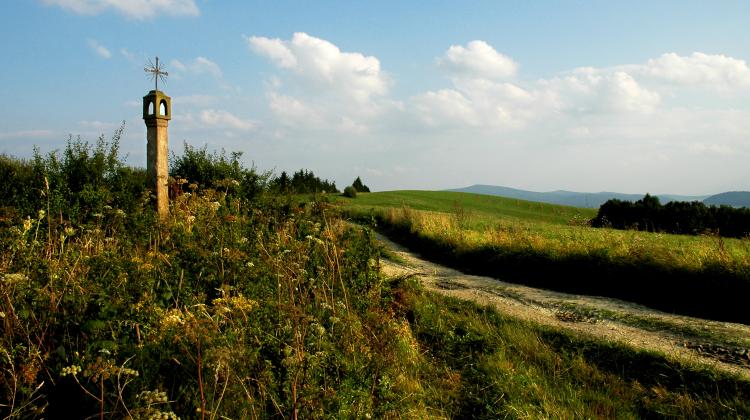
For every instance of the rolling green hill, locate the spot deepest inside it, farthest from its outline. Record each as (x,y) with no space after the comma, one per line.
(476,204)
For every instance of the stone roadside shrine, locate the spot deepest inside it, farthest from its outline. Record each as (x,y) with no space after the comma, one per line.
(157,111)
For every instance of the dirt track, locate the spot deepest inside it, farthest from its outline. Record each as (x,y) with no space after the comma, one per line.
(722,345)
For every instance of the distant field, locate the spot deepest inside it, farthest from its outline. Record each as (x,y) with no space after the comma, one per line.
(478,206)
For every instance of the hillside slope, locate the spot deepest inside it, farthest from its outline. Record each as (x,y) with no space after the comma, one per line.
(470,203)
(731,198)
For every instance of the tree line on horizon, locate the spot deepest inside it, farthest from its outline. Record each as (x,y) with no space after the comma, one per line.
(679,217)
(302,182)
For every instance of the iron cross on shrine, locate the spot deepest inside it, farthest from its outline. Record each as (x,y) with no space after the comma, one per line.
(157,72)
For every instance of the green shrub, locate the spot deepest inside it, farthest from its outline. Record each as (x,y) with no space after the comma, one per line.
(218,171)
(350,192)
(84,179)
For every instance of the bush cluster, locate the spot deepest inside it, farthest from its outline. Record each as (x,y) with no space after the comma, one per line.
(72,185)
(350,192)
(691,218)
(85,180)
(218,171)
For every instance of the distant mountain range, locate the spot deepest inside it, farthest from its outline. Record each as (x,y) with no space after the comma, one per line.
(731,198)
(594,200)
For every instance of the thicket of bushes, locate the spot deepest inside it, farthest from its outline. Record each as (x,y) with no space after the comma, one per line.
(690,218)
(71,185)
(219,171)
(85,180)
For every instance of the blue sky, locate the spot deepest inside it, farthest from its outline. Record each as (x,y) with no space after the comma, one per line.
(590,96)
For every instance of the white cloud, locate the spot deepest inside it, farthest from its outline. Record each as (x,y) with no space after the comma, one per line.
(99,49)
(623,93)
(712,70)
(324,66)
(445,106)
(589,90)
(275,49)
(292,111)
(477,99)
(134,9)
(321,88)
(224,119)
(200,65)
(477,60)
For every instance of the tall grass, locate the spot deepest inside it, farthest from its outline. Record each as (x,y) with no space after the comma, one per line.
(221,310)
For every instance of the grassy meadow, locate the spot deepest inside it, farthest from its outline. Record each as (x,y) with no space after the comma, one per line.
(481,208)
(278,312)
(553,247)
(248,304)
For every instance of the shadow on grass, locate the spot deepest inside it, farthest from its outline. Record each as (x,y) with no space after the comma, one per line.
(504,364)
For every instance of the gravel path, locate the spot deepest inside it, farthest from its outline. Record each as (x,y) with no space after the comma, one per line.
(722,345)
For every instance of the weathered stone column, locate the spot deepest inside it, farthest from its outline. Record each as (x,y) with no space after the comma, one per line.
(157,112)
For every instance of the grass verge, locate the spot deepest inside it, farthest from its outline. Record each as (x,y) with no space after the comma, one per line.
(486,365)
